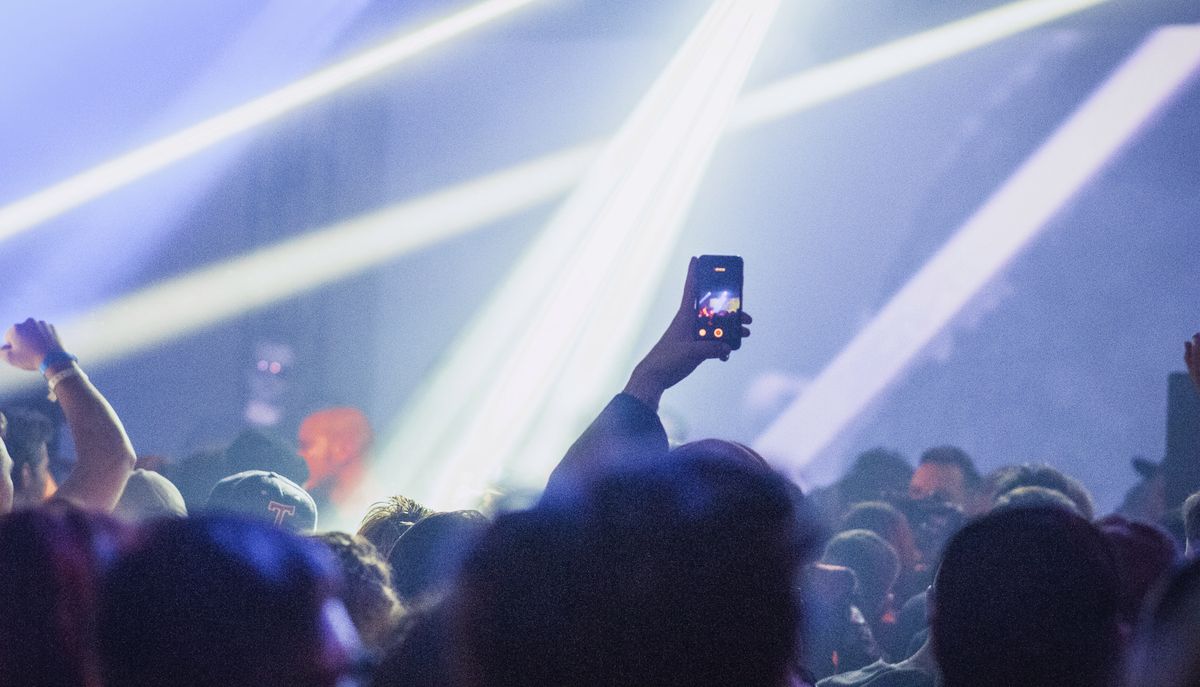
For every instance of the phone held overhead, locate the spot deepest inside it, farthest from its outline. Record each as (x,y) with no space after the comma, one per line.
(718,299)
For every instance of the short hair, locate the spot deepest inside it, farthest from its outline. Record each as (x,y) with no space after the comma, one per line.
(388,520)
(255,449)
(217,601)
(876,473)
(811,526)
(366,586)
(874,562)
(28,431)
(1027,597)
(1042,475)
(1191,517)
(955,456)
(880,517)
(647,578)
(1035,497)
(426,559)
(721,449)
(197,474)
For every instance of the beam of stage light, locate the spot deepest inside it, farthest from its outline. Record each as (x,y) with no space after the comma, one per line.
(587,274)
(900,57)
(1074,155)
(121,171)
(169,309)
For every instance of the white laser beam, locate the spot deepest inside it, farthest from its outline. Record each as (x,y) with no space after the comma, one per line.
(1012,217)
(173,308)
(121,171)
(475,415)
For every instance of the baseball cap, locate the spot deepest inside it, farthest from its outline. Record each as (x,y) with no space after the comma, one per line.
(147,496)
(265,496)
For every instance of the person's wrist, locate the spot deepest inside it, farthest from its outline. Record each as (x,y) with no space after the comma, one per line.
(56,361)
(645,386)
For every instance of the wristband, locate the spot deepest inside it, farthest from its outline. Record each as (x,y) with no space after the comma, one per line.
(67,373)
(56,358)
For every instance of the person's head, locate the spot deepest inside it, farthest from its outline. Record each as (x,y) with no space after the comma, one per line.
(388,520)
(28,436)
(426,558)
(1035,497)
(255,449)
(223,602)
(1042,475)
(721,449)
(149,496)
(1166,647)
(888,522)
(332,439)
(875,475)
(1191,524)
(265,496)
(945,473)
(49,575)
(1145,553)
(366,587)
(1031,597)
(875,565)
(814,531)
(681,573)
(197,474)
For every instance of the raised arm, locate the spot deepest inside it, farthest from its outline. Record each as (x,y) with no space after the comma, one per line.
(628,429)
(105,456)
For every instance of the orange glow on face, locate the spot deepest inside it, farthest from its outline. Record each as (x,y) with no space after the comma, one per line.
(334,443)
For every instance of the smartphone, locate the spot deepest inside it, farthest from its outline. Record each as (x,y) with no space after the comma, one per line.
(718,298)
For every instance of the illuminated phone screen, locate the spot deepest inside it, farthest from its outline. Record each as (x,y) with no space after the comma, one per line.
(719,299)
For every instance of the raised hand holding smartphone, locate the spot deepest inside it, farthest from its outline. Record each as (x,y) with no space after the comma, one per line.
(680,350)
(718,300)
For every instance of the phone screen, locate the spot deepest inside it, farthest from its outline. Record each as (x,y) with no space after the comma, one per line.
(719,299)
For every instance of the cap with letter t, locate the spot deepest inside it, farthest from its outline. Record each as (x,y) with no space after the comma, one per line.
(265,496)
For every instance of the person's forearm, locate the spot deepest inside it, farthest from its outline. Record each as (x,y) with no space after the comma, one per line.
(105,454)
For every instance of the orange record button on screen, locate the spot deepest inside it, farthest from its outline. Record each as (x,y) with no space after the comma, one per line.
(718,332)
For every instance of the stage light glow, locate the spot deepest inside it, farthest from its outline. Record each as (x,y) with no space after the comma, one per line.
(900,57)
(121,171)
(186,304)
(575,294)
(1012,217)
(269,275)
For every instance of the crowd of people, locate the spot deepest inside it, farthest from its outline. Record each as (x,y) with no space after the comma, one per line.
(643,563)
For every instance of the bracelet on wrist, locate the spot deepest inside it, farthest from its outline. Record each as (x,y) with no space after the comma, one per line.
(54,358)
(58,377)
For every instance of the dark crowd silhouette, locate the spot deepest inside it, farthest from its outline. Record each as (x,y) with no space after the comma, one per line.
(641,563)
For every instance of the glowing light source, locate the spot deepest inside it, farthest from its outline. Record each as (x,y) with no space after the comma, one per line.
(997,232)
(172,308)
(114,174)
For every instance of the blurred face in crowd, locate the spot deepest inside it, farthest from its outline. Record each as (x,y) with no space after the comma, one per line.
(331,440)
(34,478)
(940,481)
